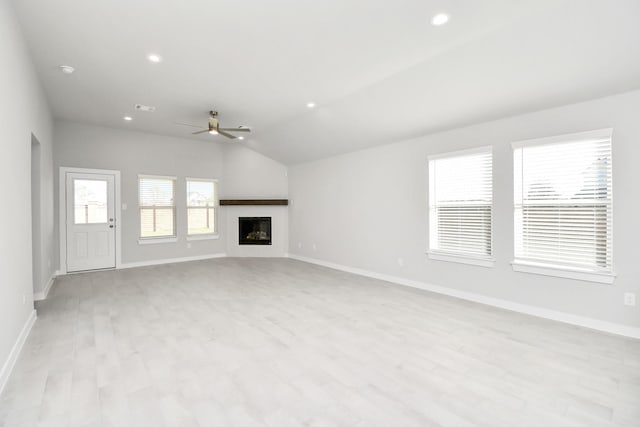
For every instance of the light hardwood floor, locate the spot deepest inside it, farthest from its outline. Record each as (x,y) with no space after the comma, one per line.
(277,342)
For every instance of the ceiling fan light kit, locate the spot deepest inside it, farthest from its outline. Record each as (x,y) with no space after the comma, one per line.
(214,128)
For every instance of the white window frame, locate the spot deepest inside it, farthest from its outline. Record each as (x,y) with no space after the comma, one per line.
(161,239)
(557,270)
(447,256)
(216,205)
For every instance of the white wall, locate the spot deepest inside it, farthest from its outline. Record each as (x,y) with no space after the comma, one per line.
(241,173)
(24,110)
(368,208)
(248,174)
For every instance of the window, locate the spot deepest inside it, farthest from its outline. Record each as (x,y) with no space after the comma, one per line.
(563,205)
(201,200)
(157,207)
(460,206)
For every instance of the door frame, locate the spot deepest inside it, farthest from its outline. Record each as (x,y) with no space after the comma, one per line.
(62,216)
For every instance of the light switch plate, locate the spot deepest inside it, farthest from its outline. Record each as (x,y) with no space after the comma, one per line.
(629,298)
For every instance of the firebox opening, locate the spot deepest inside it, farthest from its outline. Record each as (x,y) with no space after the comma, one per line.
(254,230)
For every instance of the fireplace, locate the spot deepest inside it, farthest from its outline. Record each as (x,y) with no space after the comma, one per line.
(254,230)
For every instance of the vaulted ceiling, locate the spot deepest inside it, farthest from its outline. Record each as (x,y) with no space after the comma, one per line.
(378,71)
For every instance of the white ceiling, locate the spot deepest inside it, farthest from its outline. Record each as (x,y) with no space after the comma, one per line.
(378,71)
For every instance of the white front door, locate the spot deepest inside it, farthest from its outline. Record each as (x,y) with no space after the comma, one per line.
(91,223)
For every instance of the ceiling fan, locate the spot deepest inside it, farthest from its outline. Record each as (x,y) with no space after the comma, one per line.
(215,129)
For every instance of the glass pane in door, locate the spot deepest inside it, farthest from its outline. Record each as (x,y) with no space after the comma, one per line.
(90,201)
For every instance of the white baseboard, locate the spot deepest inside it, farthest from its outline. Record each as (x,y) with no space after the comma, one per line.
(586,322)
(15,351)
(39,296)
(170,260)
(154,262)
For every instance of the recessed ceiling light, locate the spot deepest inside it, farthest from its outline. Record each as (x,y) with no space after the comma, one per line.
(154,58)
(440,19)
(241,137)
(128,118)
(213,132)
(311,104)
(67,69)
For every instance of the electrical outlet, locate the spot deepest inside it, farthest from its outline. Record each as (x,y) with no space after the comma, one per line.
(24,299)
(629,298)
(400,262)
(188,245)
(314,246)
(299,245)
(124,206)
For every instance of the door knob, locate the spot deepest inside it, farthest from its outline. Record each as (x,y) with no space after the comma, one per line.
(111,226)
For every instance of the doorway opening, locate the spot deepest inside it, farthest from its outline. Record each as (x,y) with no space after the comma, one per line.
(36,227)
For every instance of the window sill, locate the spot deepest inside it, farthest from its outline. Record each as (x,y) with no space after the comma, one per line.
(209,236)
(157,240)
(461,259)
(565,272)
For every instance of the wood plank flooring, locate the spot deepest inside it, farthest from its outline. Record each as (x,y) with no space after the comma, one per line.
(277,342)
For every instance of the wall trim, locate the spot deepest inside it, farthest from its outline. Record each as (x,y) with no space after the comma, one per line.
(39,296)
(559,316)
(170,260)
(10,363)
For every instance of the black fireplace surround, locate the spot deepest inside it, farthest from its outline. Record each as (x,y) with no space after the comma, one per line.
(254,230)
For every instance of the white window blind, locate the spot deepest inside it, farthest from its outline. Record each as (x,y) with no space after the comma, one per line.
(460,203)
(201,198)
(157,206)
(563,201)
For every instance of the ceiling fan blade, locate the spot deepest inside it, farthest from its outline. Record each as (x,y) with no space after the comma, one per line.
(200,131)
(236,129)
(187,124)
(228,135)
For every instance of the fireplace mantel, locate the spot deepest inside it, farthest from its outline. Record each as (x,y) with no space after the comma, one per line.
(254,202)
